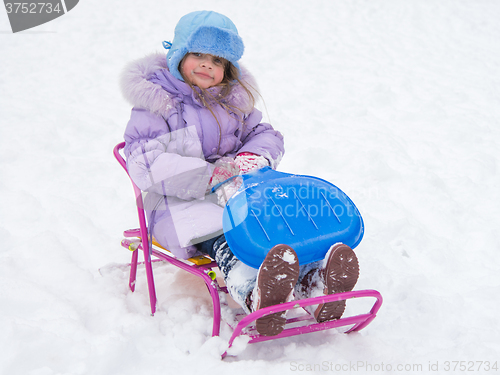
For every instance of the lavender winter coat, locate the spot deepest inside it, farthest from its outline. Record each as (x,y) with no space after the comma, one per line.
(172,141)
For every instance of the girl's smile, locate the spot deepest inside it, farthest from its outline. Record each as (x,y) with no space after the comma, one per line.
(203,70)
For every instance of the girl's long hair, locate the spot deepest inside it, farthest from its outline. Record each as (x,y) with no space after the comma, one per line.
(231,78)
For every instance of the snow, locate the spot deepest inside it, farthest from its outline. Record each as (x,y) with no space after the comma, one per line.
(395,102)
(289,257)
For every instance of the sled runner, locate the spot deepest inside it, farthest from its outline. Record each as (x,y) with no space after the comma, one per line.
(290,201)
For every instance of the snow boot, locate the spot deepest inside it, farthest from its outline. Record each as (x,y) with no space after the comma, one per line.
(339,273)
(276,279)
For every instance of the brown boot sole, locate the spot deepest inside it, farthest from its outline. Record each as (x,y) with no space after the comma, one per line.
(278,275)
(341,275)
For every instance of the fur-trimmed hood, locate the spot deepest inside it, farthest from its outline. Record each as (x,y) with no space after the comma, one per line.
(141,93)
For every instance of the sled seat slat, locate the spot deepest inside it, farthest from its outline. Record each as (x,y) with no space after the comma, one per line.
(199,260)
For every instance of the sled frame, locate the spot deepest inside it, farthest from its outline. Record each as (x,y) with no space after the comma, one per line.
(137,240)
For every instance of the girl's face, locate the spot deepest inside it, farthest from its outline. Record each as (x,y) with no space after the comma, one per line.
(203,70)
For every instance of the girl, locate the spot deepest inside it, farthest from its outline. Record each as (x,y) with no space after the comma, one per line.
(193,126)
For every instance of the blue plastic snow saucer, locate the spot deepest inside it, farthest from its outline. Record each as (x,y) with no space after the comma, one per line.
(307,213)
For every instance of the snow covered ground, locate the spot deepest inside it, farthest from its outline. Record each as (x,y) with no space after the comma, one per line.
(396,102)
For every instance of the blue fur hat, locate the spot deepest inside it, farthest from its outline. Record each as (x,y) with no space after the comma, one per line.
(204,32)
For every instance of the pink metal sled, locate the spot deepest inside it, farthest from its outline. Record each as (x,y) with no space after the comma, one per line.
(203,267)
